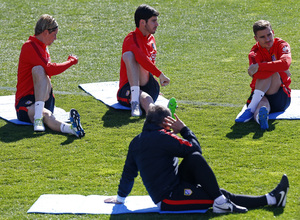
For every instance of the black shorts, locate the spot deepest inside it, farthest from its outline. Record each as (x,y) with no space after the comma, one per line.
(279,101)
(151,88)
(187,197)
(26,101)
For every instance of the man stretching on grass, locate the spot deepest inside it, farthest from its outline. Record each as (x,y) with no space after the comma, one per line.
(34,97)
(192,184)
(270,59)
(137,85)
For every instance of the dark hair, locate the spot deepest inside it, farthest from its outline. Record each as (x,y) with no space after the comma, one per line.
(261,25)
(144,12)
(156,114)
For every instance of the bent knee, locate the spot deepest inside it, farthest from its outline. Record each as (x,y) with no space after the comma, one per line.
(128,56)
(38,69)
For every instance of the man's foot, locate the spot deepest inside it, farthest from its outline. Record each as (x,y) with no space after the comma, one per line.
(136,110)
(246,116)
(75,123)
(227,207)
(280,192)
(263,117)
(172,105)
(38,125)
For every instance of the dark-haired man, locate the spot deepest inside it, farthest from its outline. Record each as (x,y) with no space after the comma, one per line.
(34,97)
(137,86)
(270,59)
(192,184)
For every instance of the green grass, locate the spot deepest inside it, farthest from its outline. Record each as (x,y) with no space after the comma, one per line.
(202,46)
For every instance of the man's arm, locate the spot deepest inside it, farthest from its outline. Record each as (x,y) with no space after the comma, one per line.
(263,70)
(35,58)
(180,146)
(130,171)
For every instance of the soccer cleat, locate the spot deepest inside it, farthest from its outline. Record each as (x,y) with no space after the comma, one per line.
(172,105)
(263,117)
(38,125)
(281,190)
(228,207)
(75,123)
(136,110)
(246,116)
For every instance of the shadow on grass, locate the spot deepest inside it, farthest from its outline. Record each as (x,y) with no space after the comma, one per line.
(239,130)
(117,118)
(277,211)
(12,133)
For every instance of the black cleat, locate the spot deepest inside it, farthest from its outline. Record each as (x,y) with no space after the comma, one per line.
(280,192)
(228,207)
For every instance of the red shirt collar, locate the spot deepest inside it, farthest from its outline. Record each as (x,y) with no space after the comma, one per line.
(34,39)
(141,34)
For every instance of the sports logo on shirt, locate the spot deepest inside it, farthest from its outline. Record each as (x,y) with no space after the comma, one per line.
(286,49)
(187,192)
(153,46)
(28,102)
(273,57)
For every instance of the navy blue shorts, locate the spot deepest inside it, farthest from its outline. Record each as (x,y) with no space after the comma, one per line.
(152,88)
(26,101)
(187,197)
(279,101)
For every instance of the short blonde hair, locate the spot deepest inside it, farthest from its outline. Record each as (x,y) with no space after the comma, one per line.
(46,22)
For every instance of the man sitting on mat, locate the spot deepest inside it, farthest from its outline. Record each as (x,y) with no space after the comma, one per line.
(270,59)
(137,85)
(191,185)
(34,97)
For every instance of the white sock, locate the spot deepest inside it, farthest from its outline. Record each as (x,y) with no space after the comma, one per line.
(135,93)
(256,97)
(66,128)
(220,200)
(256,119)
(271,200)
(38,109)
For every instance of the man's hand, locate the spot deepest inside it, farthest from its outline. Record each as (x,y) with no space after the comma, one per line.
(253,68)
(288,73)
(112,200)
(163,80)
(175,124)
(73,59)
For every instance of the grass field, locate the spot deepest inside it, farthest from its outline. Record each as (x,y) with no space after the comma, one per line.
(202,46)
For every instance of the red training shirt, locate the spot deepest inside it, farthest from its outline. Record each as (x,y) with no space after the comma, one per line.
(278,59)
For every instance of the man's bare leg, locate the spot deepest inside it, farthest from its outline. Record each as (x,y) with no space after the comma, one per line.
(137,76)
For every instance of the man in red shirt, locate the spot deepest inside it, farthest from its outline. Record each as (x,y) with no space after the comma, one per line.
(34,97)
(269,59)
(137,85)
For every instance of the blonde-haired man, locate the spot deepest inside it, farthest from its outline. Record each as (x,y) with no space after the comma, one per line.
(34,96)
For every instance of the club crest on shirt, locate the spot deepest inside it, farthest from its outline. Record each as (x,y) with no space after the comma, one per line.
(128,93)
(28,102)
(285,49)
(153,46)
(273,57)
(187,192)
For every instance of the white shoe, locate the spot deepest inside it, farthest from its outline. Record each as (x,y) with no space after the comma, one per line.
(38,125)
(136,110)
(227,207)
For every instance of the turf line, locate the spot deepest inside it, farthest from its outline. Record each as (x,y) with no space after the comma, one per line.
(179,101)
